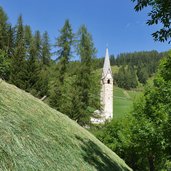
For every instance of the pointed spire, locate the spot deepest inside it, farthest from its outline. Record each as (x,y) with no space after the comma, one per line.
(106,66)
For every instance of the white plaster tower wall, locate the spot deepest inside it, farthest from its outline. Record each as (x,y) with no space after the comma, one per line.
(107,89)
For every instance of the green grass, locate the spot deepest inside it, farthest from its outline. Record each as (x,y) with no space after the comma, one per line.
(123,101)
(34,136)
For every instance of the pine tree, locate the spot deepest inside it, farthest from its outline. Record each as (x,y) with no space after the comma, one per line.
(46,55)
(27,36)
(32,68)
(18,64)
(86,52)
(11,41)
(44,51)
(142,74)
(120,77)
(38,45)
(4,26)
(4,65)
(132,78)
(64,43)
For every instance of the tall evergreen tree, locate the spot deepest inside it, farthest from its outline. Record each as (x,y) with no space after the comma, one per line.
(4,26)
(38,45)
(18,64)
(4,65)
(64,43)
(11,41)
(43,78)
(46,55)
(27,36)
(83,85)
(142,74)
(132,78)
(32,68)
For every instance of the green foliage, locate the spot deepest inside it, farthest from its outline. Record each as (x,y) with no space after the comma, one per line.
(4,28)
(18,63)
(142,74)
(27,37)
(145,135)
(141,65)
(160,13)
(64,43)
(42,84)
(38,45)
(149,59)
(118,137)
(126,77)
(78,94)
(149,137)
(32,68)
(4,65)
(46,55)
(86,51)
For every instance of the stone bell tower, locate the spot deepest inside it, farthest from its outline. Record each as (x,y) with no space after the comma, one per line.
(107,89)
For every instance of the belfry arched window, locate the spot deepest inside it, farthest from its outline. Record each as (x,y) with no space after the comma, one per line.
(108,81)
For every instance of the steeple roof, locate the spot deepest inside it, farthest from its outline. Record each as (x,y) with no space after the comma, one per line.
(106,66)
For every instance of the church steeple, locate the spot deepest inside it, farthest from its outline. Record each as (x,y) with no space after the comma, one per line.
(106,66)
(107,89)
(106,92)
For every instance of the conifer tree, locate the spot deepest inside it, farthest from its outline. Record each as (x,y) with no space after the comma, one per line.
(32,68)
(46,55)
(64,43)
(132,78)
(3,30)
(18,64)
(83,85)
(142,74)
(4,65)
(27,36)
(38,45)
(11,42)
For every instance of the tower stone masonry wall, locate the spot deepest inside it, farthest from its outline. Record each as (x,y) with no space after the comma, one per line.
(107,89)
(106,95)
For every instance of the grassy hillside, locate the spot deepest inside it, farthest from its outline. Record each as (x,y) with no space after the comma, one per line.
(123,101)
(33,136)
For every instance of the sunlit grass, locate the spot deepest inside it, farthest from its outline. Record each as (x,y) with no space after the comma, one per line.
(123,101)
(34,136)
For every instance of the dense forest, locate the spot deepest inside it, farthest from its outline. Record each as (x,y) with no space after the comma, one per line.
(142,138)
(134,68)
(25,61)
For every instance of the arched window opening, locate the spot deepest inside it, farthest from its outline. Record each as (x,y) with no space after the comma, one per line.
(108,81)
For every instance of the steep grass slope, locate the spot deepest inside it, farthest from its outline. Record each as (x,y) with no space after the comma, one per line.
(33,136)
(123,101)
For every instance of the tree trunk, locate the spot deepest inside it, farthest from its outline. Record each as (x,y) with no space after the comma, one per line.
(151,162)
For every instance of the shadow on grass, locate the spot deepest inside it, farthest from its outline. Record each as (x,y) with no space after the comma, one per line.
(93,155)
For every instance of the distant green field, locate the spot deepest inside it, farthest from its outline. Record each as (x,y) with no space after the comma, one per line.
(123,101)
